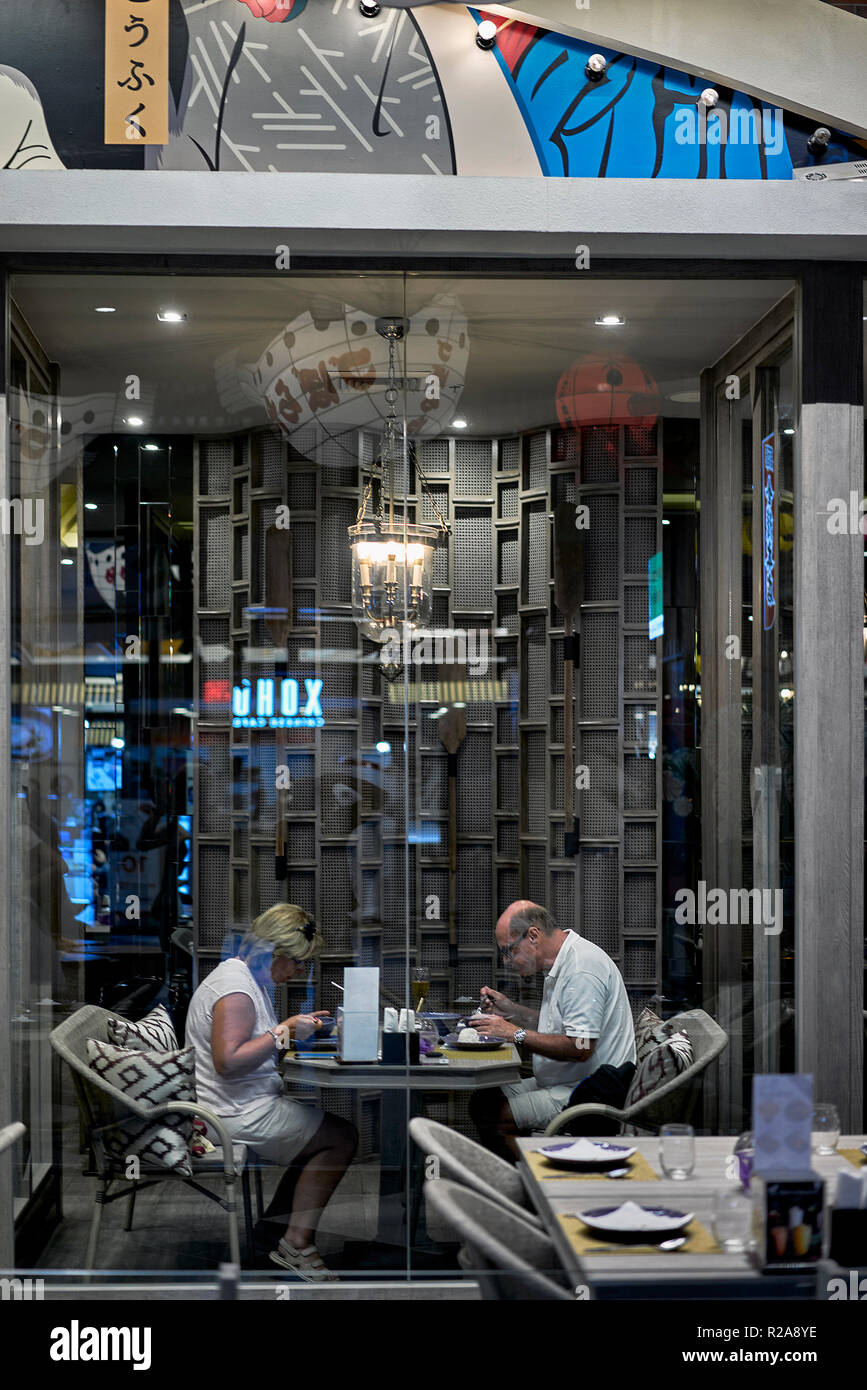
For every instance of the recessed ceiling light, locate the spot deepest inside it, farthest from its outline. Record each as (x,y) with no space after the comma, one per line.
(610,321)
(459,424)
(152,448)
(665,521)
(105,309)
(90,506)
(788,431)
(171,316)
(134,420)
(383,747)
(67,561)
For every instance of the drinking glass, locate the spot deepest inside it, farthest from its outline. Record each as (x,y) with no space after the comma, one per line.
(825,1129)
(677,1150)
(420,983)
(732,1220)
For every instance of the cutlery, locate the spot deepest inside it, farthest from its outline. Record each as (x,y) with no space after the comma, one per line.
(664,1245)
(618,1173)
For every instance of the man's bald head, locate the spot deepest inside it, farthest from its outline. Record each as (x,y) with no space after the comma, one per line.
(516,909)
(518,919)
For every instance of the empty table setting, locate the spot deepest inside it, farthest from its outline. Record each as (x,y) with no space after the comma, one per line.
(622,1224)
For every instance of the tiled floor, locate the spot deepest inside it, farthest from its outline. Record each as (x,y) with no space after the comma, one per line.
(175,1228)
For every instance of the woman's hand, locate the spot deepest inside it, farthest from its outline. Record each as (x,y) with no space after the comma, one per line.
(303,1025)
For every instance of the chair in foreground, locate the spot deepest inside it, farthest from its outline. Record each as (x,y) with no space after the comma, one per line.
(675,1099)
(106,1112)
(466,1162)
(512,1260)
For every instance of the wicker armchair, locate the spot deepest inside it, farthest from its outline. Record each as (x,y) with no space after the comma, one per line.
(674,1100)
(104,1108)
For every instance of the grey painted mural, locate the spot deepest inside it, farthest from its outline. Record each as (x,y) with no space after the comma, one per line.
(323,90)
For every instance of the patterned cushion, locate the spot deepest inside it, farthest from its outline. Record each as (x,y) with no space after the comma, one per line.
(650,1031)
(154,1033)
(661,1063)
(151,1078)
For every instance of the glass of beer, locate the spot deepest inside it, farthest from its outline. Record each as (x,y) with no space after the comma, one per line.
(420,983)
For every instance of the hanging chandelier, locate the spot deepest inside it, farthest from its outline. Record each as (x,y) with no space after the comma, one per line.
(392,557)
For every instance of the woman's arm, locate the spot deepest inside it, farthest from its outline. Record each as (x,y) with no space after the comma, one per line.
(234,1050)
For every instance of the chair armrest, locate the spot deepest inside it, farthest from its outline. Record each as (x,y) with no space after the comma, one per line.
(187,1107)
(624,1117)
(573,1111)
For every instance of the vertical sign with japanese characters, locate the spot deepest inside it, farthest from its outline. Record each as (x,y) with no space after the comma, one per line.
(136,71)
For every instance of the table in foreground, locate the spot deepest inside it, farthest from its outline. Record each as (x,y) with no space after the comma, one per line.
(674,1274)
(402,1088)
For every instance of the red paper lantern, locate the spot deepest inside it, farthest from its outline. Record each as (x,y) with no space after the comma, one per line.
(604,390)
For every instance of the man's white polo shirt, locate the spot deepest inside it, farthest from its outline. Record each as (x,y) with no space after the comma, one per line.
(584,996)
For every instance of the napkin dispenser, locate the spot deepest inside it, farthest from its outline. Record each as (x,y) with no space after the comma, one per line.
(849,1220)
(394,1039)
(787,1221)
(358,1017)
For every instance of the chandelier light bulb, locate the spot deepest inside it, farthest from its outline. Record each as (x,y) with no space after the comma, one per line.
(709,97)
(369,9)
(486,34)
(597,66)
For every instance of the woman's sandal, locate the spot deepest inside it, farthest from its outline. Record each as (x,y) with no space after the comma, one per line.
(307,1263)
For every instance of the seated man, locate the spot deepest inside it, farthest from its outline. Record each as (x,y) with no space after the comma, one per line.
(584,1025)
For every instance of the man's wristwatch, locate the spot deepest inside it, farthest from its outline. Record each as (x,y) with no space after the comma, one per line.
(519,1036)
(277,1038)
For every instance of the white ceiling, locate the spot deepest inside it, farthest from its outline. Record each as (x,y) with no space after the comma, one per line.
(523,334)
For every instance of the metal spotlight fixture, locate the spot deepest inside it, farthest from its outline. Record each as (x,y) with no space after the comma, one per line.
(596,68)
(817,145)
(369,8)
(709,97)
(486,34)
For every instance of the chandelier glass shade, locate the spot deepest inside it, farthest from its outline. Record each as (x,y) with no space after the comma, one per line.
(392,577)
(392,557)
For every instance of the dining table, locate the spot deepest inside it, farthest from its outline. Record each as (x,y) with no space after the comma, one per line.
(699,1269)
(403,1088)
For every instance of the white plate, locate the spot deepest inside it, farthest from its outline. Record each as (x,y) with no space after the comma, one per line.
(582,1151)
(632,1219)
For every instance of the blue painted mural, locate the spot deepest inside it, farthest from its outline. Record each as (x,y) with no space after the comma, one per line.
(293,86)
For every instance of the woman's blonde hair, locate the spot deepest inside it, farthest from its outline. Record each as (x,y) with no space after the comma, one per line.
(290,928)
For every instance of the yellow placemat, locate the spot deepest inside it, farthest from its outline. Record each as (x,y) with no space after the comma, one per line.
(854,1156)
(699,1241)
(640,1170)
(495,1054)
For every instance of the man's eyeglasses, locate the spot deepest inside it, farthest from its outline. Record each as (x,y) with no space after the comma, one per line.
(508,951)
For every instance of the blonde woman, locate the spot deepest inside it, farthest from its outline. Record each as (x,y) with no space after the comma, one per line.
(237,1039)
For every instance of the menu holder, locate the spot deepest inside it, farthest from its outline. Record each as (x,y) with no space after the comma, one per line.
(788,1197)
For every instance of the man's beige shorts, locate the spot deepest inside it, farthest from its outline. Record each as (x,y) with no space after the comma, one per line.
(533,1106)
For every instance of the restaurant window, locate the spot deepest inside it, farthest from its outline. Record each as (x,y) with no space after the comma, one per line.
(218,709)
